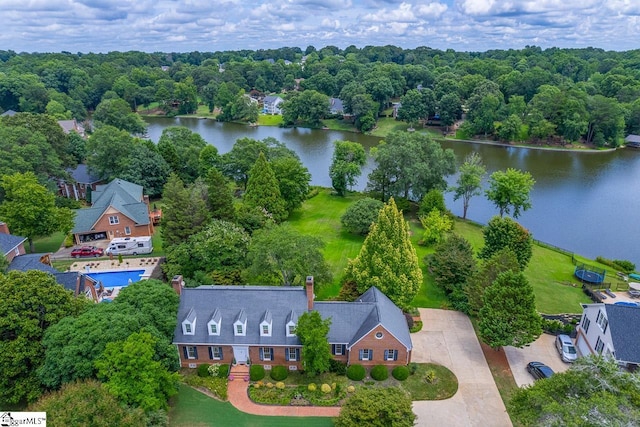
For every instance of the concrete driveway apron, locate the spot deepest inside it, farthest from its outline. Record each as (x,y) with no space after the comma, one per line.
(448,338)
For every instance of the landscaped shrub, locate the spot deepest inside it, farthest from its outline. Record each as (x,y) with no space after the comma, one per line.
(409,320)
(325,388)
(280,385)
(223,371)
(430,376)
(379,373)
(279,373)
(351,389)
(312,387)
(203,370)
(627,266)
(356,372)
(337,367)
(552,326)
(214,369)
(269,385)
(413,368)
(256,372)
(400,373)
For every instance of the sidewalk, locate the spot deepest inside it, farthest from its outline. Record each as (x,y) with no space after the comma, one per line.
(238,397)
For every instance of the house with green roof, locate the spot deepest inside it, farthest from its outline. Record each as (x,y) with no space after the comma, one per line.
(119,209)
(257,325)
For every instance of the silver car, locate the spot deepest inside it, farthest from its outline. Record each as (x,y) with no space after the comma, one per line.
(565,347)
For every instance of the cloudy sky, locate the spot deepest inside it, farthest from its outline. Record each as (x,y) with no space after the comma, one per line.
(209,25)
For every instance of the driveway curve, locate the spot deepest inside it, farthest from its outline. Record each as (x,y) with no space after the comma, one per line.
(447,338)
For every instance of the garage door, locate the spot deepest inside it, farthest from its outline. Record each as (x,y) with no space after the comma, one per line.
(583,347)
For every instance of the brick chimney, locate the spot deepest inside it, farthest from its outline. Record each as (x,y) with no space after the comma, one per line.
(310,295)
(177,284)
(4,228)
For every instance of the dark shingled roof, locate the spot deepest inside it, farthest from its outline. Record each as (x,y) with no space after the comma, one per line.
(82,175)
(623,325)
(28,262)
(350,321)
(8,242)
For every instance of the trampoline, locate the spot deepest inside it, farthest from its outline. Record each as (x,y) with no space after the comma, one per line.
(590,274)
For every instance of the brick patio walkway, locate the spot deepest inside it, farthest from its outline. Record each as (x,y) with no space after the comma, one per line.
(238,396)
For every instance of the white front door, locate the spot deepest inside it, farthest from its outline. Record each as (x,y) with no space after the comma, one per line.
(241,353)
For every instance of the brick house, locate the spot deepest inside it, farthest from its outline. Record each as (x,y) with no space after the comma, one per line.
(256,324)
(119,209)
(10,246)
(81,180)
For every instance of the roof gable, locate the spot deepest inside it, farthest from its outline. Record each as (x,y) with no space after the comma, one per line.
(8,242)
(623,326)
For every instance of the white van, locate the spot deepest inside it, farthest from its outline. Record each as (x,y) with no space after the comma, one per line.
(130,246)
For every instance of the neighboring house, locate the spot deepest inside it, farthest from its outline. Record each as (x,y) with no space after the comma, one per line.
(72,125)
(610,330)
(271,105)
(11,246)
(632,141)
(81,179)
(336,106)
(396,107)
(118,209)
(9,113)
(257,324)
(78,283)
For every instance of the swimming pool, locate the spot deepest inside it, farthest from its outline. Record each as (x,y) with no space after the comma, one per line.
(115,279)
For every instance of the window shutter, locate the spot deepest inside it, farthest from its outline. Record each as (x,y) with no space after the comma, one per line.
(195,351)
(395,354)
(297,354)
(361,354)
(333,349)
(221,356)
(211,353)
(386,354)
(261,353)
(286,353)
(370,354)
(184,351)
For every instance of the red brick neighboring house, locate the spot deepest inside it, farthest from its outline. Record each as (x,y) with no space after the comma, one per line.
(76,187)
(256,324)
(11,246)
(119,209)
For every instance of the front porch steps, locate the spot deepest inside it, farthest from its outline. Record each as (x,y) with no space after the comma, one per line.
(239,373)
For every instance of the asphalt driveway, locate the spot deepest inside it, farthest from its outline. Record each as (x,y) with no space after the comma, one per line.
(542,350)
(447,338)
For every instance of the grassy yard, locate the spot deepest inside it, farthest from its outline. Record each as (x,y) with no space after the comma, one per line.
(47,244)
(270,120)
(387,125)
(192,408)
(550,272)
(338,124)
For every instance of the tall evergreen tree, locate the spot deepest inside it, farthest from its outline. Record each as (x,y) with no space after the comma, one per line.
(387,259)
(509,316)
(220,197)
(185,211)
(263,190)
(313,331)
(501,261)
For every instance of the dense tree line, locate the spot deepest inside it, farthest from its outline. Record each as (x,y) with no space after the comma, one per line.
(555,94)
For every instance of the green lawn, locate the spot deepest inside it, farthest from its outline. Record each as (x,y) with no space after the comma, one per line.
(386,125)
(443,385)
(338,124)
(549,272)
(47,244)
(193,409)
(270,119)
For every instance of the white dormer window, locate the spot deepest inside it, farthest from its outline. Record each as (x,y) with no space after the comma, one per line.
(291,329)
(214,328)
(265,329)
(189,327)
(239,330)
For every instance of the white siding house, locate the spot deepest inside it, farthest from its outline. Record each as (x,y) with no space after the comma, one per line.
(272,105)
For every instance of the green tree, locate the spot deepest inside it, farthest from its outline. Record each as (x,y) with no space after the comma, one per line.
(30,210)
(133,376)
(116,112)
(436,226)
(452,263)
(387,259)
(308,107)
(279,255)
(77,147)
(508,315)
(244,108)
(293,180)
(434,199)
(32,302)
(450,109)
(509,129)
(24,150)
(469,180)
(209,158)
(360,215)
(109,151)
(346,166)
(409,165)
(146,167)
(220,200)
(185,211)
(593,392)
(503,233)
(263,190)
(87,403)
(312,331)
(509,191)
(499,262)
(181,149)
(216,254)
(413,108)
(377,407)
(4,263)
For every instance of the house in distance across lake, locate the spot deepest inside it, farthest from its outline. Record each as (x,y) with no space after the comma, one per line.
(257,325)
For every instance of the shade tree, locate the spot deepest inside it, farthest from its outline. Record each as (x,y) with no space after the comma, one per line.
(360,215)
(346,165)
(469,180)
(313,333)
(180,148)
(510,191)
(377,407)
(263,190)
(501,233)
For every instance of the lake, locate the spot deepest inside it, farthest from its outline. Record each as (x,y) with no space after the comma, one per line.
(583,202)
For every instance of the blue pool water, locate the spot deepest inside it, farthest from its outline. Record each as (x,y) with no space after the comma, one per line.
(116,279)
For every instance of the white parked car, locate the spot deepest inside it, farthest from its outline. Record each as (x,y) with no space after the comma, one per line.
(565,347)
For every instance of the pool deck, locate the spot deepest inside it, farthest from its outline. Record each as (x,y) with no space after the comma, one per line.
(107,265)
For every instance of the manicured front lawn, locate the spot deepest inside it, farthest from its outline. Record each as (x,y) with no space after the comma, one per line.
(191,408)
(338,124)
(47,244)
(441,385)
